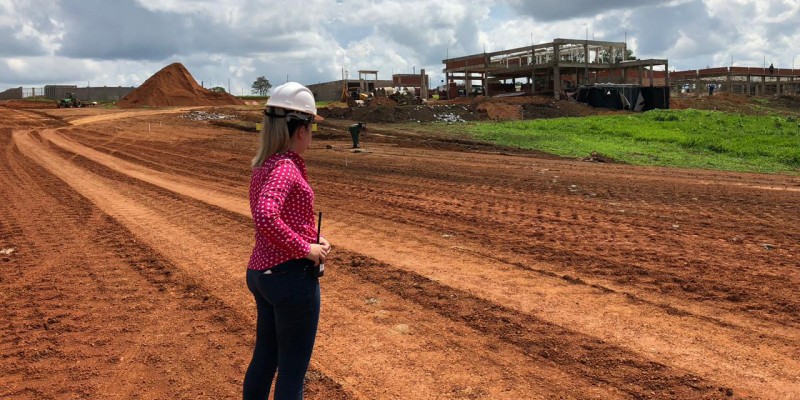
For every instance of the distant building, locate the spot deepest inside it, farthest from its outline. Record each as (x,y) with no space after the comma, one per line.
(367,82)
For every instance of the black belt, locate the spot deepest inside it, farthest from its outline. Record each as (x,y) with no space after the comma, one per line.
(288,266)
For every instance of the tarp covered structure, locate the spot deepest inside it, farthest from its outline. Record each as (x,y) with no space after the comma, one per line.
(624,97)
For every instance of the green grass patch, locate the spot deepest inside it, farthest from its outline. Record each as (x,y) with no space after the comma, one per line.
(330,103)
(673,138)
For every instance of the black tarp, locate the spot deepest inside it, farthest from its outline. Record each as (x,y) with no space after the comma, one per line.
(624,97)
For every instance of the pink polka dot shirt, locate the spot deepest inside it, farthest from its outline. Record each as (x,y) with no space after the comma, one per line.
(282,204)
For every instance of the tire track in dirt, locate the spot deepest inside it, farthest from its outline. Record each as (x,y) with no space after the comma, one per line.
(609,253)
(428,377)
(600,259)
(601,368)
(603,258)
(118,276)
(531,240)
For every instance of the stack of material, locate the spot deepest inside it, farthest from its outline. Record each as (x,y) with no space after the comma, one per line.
(174,86)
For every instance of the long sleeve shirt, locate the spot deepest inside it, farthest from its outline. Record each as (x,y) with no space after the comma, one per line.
(282,205)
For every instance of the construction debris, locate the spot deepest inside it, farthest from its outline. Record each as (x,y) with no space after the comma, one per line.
(205,116)
(449,117)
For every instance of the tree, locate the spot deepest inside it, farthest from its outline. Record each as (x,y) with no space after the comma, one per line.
(261,86)
(218,89)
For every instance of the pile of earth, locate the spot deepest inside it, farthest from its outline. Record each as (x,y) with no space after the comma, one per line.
(173,85)
(406,113)
(382,101)
(464,109)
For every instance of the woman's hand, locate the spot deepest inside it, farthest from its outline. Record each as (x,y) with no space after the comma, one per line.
(325,244)
(318,253)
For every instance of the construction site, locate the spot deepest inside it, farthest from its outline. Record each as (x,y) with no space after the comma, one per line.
(460,269)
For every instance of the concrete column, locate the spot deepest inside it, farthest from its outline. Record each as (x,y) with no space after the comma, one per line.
(778,86)
(586,63)
(423,87)
(556,82)
(652,75)
(748,85)
(666,74)
(641,72)
(729,82)
(485,84)
(698,88)
(467,82)
(556,71)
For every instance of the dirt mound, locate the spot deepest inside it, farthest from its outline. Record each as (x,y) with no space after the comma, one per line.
(382,101)
(464,109)
(501,111)
(406,113)
(174,86)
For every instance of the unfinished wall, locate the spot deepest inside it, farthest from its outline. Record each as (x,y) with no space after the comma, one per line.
(11,94)
(100,93)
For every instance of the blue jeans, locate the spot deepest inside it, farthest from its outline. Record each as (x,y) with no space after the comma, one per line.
(288,302)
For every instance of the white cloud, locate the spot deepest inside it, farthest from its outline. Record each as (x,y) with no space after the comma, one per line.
(125,41)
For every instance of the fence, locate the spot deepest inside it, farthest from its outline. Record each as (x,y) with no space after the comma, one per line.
(55,92)
(21,93)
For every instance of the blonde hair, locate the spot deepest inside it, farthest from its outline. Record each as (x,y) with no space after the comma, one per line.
(274,136)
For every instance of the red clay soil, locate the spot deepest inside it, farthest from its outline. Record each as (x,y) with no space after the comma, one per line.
(455,274)
(28,105)
(173,85)
(739,104)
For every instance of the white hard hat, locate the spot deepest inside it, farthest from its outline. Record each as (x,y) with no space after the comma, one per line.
(293,96)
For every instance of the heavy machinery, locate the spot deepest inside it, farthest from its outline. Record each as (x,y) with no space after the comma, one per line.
(405,96)
(70,101)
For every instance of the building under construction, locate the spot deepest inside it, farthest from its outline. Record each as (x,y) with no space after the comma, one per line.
(552,68)
(367,82)
(740,80)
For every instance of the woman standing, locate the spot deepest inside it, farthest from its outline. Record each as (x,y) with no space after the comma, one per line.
(282,272)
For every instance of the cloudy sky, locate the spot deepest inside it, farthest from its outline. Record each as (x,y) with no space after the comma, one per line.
(123,42)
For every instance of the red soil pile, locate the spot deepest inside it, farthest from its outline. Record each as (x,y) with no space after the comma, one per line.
(175,86)
(500,111)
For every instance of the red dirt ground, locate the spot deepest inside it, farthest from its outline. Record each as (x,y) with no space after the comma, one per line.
(459,271)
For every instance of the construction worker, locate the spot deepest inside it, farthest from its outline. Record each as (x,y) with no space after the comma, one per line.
(283,272)
(355,132)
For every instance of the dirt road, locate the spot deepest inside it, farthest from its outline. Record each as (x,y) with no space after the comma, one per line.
(456,274)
